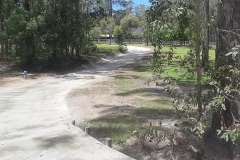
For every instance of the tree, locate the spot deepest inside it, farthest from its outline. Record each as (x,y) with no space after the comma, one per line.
(142,30)
(227,62)
(107,27)
(128,23)
(123,8)
(95,32)
(224,97)
(130,7)
(47,33)
(119,35)
(140,11)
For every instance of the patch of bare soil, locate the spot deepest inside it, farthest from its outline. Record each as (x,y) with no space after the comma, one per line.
(91,103)
(10,74)
(103,98)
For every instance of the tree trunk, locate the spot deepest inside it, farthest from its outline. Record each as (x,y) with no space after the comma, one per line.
(198,60)
(198,27)
(205,50)
(1,30)
(6,47)
(228,27)
(72,52)
(110,38)
(228,36)
(110,8)
(26,4)
(2,48)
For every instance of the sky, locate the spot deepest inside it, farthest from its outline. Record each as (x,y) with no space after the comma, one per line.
(145,2)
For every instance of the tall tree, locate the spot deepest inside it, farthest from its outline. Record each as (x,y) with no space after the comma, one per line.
(129,23)
(228,37)
(107,27)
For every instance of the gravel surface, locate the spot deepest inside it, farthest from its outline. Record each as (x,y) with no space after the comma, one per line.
(35,120)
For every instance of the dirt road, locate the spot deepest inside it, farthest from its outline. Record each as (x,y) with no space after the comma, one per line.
(35,122)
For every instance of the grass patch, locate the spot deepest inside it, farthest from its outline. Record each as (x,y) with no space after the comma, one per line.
(140,92)
(154,113)
(118,127)
(79,91)
(174,70)
(144,68)
(16,73)
(107,49)
(159,106)
(146,111)
(124,84)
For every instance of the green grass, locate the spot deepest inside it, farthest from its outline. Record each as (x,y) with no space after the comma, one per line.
(160,106)
(174,70)
(153,113)
(124,84)
(182,51)
(107,49)
(117,127)
(144,68)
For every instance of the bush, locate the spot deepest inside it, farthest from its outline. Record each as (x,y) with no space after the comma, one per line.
(122,48)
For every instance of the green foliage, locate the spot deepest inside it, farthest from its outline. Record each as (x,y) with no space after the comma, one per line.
(119,35)
(107,25)
(49,34)
(171,20)
(128,23)
(225,83)
(224,76)
(122,48)
(95,32)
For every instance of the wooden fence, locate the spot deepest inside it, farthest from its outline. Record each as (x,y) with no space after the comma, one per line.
(142,41)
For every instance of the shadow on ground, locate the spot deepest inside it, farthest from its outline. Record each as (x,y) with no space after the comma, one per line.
(54,141)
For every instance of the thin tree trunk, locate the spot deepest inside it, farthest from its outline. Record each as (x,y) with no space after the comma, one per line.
(1,30)
(2,48)
(110,8)
(205,50)
(6,47)
(67,50)
(78,52)
(200,153)
(110,38)
(198,60)
(148,27)
(72,51)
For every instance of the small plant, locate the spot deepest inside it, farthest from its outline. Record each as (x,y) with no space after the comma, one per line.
(157,137)
(122,48)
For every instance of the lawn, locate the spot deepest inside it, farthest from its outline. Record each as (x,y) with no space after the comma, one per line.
(107,49)
(174,69)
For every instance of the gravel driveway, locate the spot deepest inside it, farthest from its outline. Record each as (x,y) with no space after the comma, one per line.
(35,122)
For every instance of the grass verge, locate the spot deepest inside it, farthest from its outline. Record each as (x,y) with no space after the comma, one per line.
(118,127)
(148,104)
